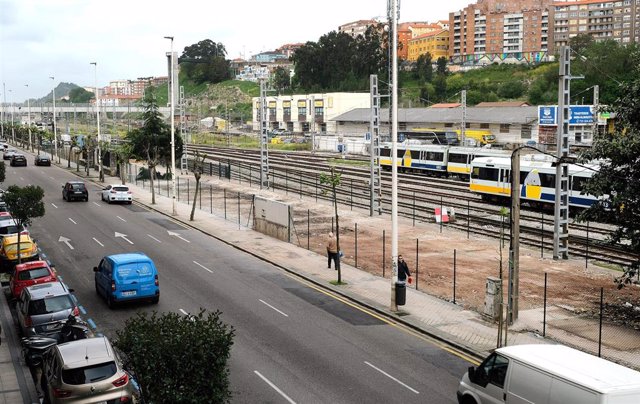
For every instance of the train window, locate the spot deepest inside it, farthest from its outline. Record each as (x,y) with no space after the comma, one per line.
(505,176)
(489,174)
(400,153)
(415,154)
(475,173)
(434,156)
(548,180)
(458,158)
(385,152)
(577,183)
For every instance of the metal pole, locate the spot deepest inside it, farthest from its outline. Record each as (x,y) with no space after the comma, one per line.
(29,119)
(95,77)
(542,236)
(225,203)
(417,260)
(355,234)
(55,127)
(561,208)
(173,133)
(454,276)
(308,227)
(414,209)
(394,151)
(514,239)
(544,310)
(238,210)
(463,125)
(586,256)
(600,325)
(468,218)
(384,252)
(210,198)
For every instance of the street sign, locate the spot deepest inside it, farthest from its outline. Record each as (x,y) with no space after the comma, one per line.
(578,115)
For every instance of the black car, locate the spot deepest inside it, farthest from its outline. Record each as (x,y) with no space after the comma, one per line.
(42,160)
(75,190)
(18,160)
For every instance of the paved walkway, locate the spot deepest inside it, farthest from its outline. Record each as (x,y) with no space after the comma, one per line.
(443,321)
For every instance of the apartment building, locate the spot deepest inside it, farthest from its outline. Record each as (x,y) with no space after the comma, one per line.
(617,20)
(409,30)
(356,28)
(495,31)
(435,42)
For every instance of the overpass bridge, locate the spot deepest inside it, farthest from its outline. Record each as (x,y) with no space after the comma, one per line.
(64,109)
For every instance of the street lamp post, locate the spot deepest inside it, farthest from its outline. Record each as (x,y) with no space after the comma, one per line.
(29,119)
(3,114)
(394,153)
(173,132)
(55,127)
(95,77)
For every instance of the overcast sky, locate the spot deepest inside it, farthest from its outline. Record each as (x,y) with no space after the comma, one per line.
(43,38)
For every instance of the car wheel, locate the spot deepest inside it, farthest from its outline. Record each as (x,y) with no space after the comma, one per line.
(64,198)
(155,300)
(97,289)
(86,198)
(110,301)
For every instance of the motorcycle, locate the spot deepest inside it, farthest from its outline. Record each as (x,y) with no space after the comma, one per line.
(34,347)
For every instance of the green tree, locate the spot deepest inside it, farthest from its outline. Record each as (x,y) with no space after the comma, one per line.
(80,96)
(204,62)
(25,204)
(281,79)
(148,141)
(178,359)
(615,183)
(334,180)
(511,89)
(441,65)
(440,86)
(424,68)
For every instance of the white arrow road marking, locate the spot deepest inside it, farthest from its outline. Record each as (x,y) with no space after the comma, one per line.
(121,219)
(392,378)
(173,233)
(267,304)
(66,241)
(273,386)
(154,238)
(124,236)
(96,240)
(72,221)
(53,204)
(203,267)
(184,312)
(96,203)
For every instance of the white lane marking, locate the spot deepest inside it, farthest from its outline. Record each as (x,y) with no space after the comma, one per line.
(173,233)
(273,386)
(66,241)
(121,219)
(392,378)
(184,312)
(53,178)
(203,267)
(96,203)
(154,238)
(267,304)
(124,236)
(54,205)
(72,221)
(96,240)
(21,179)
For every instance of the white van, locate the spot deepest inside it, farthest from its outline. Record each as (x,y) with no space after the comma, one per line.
(548,374)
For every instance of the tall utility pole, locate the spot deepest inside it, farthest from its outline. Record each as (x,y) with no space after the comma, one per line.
(375,177)
(463,126)
(596,102)
(13,131)
(561,210)
(394,152)
(100,173)
(55,126)
(3,115)
(514,240)
(264,137)
(173,133)
(29,119)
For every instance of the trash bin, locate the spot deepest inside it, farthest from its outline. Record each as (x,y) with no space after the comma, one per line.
(401,293)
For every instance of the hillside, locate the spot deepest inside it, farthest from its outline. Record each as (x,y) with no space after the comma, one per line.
(62,90)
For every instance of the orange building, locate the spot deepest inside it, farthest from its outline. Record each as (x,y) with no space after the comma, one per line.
(408,31)
(435,42)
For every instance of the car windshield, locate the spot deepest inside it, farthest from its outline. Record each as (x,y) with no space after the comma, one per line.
(121,189)
(12,248)
(50,305)
(34,273)
(11,229)
(89,374)
(78,187)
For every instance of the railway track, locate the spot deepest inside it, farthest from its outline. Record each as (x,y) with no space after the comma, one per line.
(418,196)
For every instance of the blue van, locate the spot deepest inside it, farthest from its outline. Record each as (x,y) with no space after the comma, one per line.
(126,277)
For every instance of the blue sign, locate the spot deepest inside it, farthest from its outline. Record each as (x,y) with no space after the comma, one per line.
(578,115)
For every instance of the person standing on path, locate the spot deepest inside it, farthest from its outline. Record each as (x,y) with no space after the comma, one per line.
(332,252)
(403,270)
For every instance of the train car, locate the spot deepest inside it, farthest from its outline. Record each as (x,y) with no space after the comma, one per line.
(416,157)
(491,178)
(460,158)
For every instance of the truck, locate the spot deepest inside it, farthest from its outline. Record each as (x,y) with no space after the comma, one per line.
(65,138)
(548,374)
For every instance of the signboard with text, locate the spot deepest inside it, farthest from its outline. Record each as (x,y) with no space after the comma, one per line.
(578,115)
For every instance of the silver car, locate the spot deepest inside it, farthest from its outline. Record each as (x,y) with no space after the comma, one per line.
(43,309)
(117,193)
(85,371)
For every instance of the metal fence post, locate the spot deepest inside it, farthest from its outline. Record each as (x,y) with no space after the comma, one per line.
(586,256)
(178,185)
(249,175)
(417,261)
(442,220)
(384,252)
(542,236)
(286,181)
(454,275)
(199,192)
(544,308)
(600,325)
(225,203)
(188,190)
(316,187)
(238,210)
(300,186)
(308,227)
(356,244)
(211,198)
(468,218)
(332,218)
(351,202)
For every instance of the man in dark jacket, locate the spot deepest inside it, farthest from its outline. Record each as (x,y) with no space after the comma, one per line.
(403,270)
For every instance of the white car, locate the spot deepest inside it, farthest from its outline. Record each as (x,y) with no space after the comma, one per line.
(8,153)
(117,193)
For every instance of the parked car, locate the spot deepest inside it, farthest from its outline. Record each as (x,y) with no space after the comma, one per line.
(42,160)
(29,274)
(126,277)
(9,226)
(9,251)
(43,309)
(73,190)
(85,371)
(117,193)
(18,160)
(8,153)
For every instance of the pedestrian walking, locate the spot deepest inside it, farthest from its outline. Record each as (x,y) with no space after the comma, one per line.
(332,252)
(403,270)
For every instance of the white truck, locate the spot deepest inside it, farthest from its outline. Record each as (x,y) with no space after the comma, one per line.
(548,374)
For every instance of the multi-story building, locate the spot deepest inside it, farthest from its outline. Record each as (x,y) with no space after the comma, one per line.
(356,28)
(410,30)
(435,42)
(617,20)
(493,31)
(308,112)
(289,49)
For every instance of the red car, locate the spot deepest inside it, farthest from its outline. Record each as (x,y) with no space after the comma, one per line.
(30,273)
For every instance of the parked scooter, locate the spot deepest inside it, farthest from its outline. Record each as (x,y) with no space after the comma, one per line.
(34,347)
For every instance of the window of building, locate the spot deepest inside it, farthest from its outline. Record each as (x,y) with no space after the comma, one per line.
(504,128)
(484,126)
(525,132)
(448,125)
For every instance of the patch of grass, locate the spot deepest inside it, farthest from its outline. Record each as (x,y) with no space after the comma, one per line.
(250,88)
(608,265)
(348,162)
(336,283)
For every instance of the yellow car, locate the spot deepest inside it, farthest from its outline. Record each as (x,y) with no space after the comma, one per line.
(9,251)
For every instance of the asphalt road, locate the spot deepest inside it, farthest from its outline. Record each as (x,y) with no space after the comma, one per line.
(294,343)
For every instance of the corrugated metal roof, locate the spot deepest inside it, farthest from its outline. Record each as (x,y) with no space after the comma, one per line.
(506,115)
